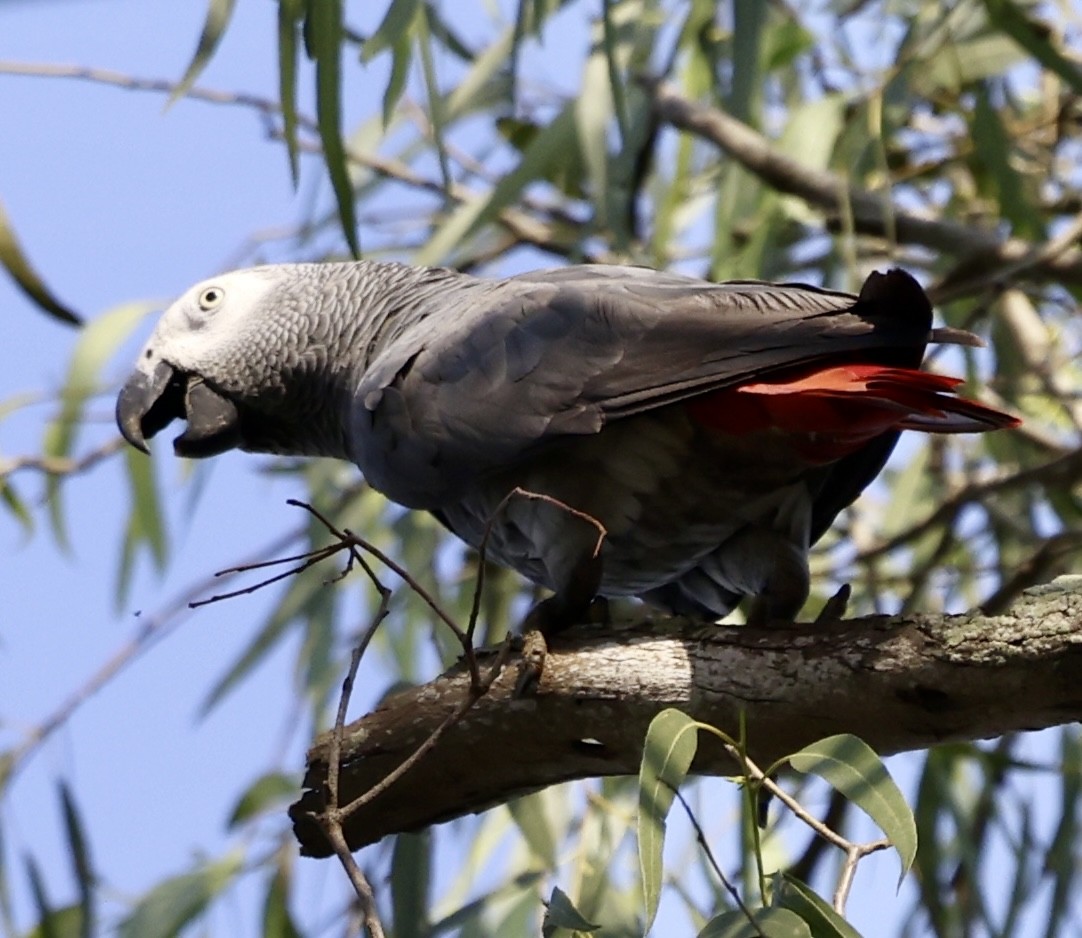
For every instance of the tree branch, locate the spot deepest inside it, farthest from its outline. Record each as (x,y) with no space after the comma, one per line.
(900,683)
(986,253)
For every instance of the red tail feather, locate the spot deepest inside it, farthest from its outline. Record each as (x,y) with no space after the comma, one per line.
(842,407)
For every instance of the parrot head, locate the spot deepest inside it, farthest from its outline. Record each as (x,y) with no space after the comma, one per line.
(239,357)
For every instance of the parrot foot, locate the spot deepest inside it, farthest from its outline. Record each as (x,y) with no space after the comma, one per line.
(576,602)
(534,650)
(834,608)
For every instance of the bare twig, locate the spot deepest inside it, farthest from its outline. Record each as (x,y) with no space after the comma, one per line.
(871,213)
(700,836)
(522,226)
(854,852)
(853,855)
(154,628)
(348,541)
(1064,470)
(331,819)
(361,886)
(57,466)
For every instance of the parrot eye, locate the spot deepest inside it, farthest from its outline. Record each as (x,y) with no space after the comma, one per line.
(211,298)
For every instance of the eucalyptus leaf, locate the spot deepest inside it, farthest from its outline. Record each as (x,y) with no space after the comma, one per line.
(26,278)
(852,767)
(671,741)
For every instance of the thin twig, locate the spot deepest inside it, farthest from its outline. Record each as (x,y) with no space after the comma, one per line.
(347,691)
(871,213)
(853,855)
(700,836)
(59,466)
(154,628)
(313,557)
(348,539)
(522,226)
(361,886)
(1063,470)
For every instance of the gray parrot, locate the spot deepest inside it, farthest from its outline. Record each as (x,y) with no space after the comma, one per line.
(712,431)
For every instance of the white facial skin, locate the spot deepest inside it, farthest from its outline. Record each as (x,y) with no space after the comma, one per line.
(208,319)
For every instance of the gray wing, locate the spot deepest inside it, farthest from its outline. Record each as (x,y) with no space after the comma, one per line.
(505,366)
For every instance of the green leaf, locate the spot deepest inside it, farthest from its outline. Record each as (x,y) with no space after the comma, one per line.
(824,922)
(812,130)
(59,923)
(486,70)
(277,920)
(560,912)
(325,47)
(96,344)
(1059,861)
(397,23)
(529,815)
(264,794)
(411,879)
(993,148)
(436,117)
(958,64)
(178,901)
(854,769)
(768,923)
(146,524)
(1032,35)
(749,17)
(783,43)
(401,59)
(218,15)
(46,925)
(593,114)
(26,278)
(16,506)
(290,13)
(79,854)
(671,741)
(547,149)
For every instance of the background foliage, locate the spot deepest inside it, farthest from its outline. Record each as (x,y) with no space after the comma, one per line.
(499,137)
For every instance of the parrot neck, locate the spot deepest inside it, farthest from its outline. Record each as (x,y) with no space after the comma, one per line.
(317,387)
(387,300)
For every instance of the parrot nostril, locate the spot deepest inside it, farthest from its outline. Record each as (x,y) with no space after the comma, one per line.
(149,353)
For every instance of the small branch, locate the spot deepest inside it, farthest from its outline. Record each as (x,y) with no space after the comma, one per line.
(350,541)
(854,852)
(361,886)
(853,856)
(153,629)
(522,226)
(700,837)
(1062,471)
(331,819)
(871,213)
(57,466)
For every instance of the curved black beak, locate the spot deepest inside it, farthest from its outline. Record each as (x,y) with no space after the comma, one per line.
(149,402)
(145,405)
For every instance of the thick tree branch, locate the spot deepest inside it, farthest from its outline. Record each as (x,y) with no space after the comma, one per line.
(900,683)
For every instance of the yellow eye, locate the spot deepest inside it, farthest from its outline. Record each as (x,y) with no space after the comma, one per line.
(211,298)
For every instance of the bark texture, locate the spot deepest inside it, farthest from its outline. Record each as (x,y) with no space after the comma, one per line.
(900,683)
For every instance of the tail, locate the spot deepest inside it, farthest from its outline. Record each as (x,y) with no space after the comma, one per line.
(841,407)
